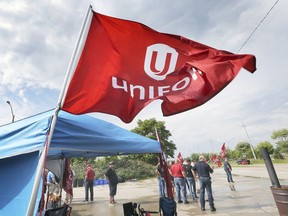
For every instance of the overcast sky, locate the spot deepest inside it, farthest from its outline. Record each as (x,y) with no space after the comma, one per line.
(37,39)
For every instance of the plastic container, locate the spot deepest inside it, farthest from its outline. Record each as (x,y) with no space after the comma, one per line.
(96,182)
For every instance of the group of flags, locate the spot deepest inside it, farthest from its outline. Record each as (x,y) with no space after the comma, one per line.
(215,158)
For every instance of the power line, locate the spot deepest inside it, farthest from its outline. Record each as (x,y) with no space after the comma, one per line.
(257,26)
(184,117)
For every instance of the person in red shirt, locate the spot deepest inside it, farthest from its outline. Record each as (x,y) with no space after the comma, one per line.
(89,183)
(178,172)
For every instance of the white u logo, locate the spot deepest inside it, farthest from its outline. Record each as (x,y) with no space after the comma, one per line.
(160,60)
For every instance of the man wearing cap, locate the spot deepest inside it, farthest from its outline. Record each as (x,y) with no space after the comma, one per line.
(112,178)
(89,183)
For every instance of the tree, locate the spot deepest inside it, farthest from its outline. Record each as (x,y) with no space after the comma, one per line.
(277,154)
(243,149)
(233,155)
(194,157)
(261,145)
(79,166)
(281,139)
(147,128)
(229,153)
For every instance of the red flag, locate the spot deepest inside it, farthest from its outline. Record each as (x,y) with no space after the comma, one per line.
(216,160)
(163,163)
(129,64)
(68,178)
(180,158)
(223,151)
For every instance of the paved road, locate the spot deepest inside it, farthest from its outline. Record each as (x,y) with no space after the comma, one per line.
(252,196)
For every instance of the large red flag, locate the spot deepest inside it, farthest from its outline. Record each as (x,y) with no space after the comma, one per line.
(125,65)
(223,151)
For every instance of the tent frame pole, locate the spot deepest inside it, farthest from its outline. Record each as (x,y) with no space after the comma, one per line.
(71,68)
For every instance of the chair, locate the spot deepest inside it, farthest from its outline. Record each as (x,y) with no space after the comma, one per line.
(167,207)
(64,210)
(130,209)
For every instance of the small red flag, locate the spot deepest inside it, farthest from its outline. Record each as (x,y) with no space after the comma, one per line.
(223,151)
(180,158)
(129,64)
(216,160)
(68,178)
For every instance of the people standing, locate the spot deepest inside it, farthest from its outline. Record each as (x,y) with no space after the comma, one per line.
(89,183)
(228,169)
(51,182)
(178,173)
(190,179)
(203,170)
(113,181)
(161,180)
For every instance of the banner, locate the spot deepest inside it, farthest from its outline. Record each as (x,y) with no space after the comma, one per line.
(68,178)
(130,65)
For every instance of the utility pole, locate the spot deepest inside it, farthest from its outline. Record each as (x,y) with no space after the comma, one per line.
(244,126)
(13,116)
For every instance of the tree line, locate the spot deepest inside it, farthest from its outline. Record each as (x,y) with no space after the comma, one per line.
(148,129)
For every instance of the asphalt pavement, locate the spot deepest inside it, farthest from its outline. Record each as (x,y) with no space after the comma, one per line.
(252,197)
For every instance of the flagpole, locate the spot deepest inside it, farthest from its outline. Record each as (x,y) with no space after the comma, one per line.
(76,54)
(79,46)
(163,163)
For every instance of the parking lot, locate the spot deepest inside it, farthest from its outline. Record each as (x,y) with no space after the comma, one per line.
(252,196)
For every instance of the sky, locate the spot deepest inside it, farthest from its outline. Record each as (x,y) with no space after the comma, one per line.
(37,39)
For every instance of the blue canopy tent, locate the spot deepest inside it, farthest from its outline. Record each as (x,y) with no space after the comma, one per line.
(22,142)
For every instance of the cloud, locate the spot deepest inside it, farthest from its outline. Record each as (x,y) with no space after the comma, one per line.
(37,41)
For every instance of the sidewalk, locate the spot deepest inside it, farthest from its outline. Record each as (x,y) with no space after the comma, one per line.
(252,196)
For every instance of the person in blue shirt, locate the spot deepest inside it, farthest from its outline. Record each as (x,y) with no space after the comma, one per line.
(228,169)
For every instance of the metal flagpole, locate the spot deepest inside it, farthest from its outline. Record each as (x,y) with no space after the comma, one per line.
(74,59)
(76,54)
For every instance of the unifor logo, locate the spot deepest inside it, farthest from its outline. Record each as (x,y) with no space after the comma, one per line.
(160,60)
